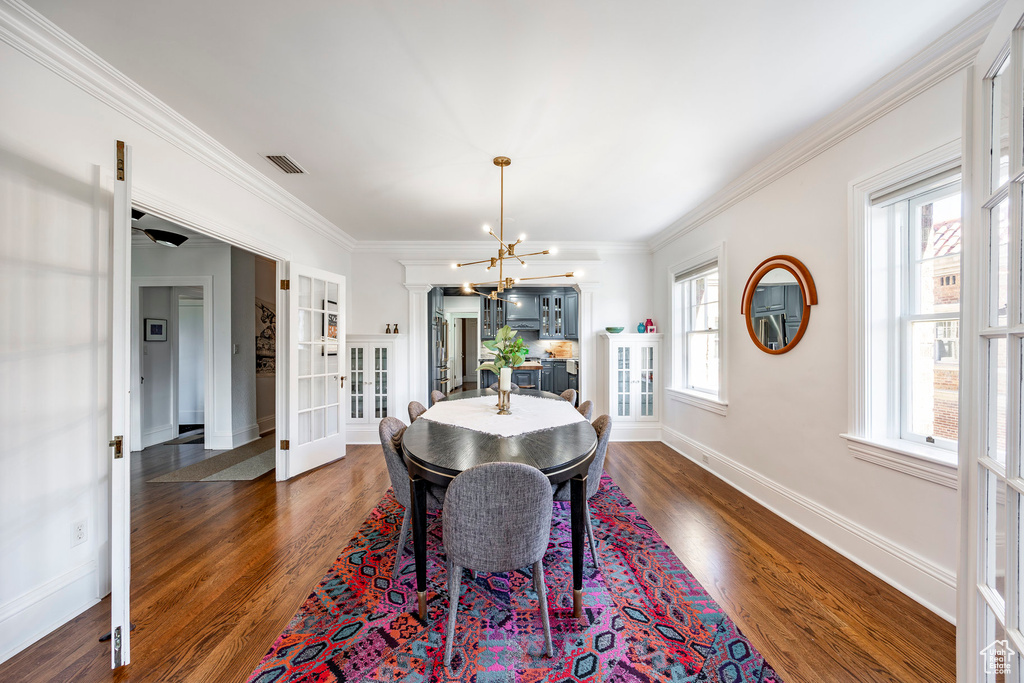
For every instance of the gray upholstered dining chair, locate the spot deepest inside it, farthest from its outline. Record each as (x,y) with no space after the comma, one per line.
(415,410)
(391,430)
(436,396)
(497,518)
(562,492)
(587,409)
(514,387)
(569,395)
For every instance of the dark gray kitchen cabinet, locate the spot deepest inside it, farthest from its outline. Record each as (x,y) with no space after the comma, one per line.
(561,377)
(526,379)
(522,305)
(547,376)
(552,313)
(769,298)
(492,317)
(572,313)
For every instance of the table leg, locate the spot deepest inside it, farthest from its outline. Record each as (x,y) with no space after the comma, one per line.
(578,497)
(418,489)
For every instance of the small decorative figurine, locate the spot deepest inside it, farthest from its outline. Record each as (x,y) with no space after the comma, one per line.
(388,330)
(396,328)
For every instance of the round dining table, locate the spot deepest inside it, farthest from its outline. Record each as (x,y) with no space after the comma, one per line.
(436,453)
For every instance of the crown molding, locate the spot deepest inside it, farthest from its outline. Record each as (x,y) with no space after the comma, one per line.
(442,248)
(41,40)
(946,56)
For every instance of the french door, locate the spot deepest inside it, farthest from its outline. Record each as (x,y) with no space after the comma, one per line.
(316,348)
(990,624)
(120,411)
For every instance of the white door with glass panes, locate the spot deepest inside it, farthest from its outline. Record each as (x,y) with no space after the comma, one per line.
(990,614)
(316,418)
(634,376)
(371,378)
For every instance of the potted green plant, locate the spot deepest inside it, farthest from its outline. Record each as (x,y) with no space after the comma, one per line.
(509,352)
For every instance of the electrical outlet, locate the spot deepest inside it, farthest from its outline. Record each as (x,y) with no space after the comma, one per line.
(77,533)
(704,458)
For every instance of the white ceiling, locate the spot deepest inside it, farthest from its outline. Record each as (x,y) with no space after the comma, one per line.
(619,116)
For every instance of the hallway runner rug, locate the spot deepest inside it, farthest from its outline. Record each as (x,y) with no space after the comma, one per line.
(645,616)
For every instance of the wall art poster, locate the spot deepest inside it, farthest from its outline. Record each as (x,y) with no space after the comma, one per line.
(266,338)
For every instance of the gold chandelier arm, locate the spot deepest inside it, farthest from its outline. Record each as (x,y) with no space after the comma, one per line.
(546,277)
(472,263)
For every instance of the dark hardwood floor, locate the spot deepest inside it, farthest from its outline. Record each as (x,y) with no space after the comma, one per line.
(219,568)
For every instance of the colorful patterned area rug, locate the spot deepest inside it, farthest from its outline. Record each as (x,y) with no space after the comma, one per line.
(645,617)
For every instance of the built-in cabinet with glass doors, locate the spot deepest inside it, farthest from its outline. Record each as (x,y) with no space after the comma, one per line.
(371,375)
(634,376)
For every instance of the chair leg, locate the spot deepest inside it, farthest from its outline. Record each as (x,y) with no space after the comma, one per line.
(542,600)
(590,535)
(400,550)
(454,584)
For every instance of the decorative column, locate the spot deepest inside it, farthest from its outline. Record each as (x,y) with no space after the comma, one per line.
(589,382)
(419,345)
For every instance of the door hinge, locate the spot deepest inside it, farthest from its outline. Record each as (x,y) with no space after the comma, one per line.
(284,444)
(117,646)
(286,284)
(117,444)
(120,160)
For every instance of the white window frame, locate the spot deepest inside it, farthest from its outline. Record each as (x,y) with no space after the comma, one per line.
(874,431)
(676,388)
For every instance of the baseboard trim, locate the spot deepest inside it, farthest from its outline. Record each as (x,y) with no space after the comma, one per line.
(219,442)
(245,435)
(157,435)
(43,609)
(934,586)
(362,434)
(266,424)
(637,431)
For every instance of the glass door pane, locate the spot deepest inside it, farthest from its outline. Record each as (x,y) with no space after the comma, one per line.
(356,383)
(380,382)
(624,381)
(1002,94)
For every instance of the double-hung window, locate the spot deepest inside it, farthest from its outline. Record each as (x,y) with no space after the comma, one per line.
(698,296)
(909,339)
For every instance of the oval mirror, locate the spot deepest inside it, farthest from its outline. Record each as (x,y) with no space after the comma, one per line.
(777,303)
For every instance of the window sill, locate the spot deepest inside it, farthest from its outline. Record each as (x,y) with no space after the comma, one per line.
(699,400)
(936,465)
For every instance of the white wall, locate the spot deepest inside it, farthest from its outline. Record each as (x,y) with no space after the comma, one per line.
(158,366)
(780,438)
(243,354)
(199,258)
(191,375)
(266,289)
(57,154)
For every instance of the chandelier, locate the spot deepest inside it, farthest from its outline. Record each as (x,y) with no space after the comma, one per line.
(506,252)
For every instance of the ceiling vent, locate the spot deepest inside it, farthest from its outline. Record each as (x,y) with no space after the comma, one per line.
(284,163)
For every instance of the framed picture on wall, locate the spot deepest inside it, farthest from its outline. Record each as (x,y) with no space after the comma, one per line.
(156,329)
(330,329)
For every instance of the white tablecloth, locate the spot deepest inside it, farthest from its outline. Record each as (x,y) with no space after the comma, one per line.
(529,414)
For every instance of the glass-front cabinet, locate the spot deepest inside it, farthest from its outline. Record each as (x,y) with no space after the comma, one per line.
(552,315)
(634,374)
(492,317)
(370,377)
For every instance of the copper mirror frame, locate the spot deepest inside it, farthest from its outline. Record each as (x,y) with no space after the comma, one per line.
(807,290)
